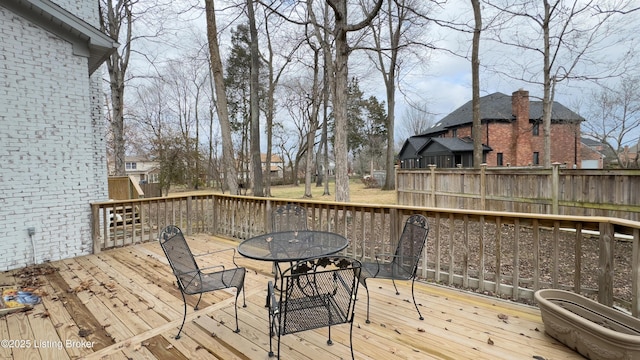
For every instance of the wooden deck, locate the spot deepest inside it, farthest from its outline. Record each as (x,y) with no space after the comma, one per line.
(123,304)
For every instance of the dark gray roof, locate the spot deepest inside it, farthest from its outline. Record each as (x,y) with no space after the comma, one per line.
(455,144)
(86,39)
(591,142)
(497,107)
(411,147)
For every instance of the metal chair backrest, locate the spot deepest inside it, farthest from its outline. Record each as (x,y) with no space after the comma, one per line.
(410,246)
(318,292)
(178,254)
(289,217)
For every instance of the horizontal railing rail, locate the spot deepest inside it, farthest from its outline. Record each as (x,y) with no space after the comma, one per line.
(510,255)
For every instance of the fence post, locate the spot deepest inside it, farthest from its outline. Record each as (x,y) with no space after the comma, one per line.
(432,169)
(605,272)
(483,186)
(555,187)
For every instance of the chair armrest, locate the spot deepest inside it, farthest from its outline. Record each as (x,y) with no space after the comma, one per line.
(213,267)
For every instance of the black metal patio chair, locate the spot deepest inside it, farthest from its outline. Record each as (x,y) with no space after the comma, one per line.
(289,217)
(316,292)
(403,264)
(192,280)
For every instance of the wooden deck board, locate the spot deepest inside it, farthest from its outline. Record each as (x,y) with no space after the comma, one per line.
(126,302)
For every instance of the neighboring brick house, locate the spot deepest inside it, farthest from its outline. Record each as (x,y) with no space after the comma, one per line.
(512,135)
(52,132)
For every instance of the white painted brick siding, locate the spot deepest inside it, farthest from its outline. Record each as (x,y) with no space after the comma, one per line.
(52,146)
(86,10)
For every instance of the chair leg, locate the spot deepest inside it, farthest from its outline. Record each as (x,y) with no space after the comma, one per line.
(366,288)
(184,316)
(244,300)
(395,287)
(271,332)
(198,303)
(237,330)
(351,339)
(413,281)
(329,342)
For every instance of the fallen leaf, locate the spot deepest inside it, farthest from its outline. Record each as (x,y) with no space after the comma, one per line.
(489,341)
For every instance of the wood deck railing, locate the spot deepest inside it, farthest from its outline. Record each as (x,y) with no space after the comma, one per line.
(498,253)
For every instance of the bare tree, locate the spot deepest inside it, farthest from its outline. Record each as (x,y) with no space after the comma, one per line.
(254,94)
(275,71)
(475,76)
(575,35)
(399,27)
(415,121)
(222,108)
(614,119)
(341,28)
(116,20)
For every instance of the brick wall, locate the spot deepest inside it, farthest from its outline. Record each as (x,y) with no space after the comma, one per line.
(51,144)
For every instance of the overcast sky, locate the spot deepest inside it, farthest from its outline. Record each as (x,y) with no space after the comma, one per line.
(442,80)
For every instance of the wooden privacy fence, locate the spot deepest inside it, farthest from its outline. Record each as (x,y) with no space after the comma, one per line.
(614,193)
(503,254)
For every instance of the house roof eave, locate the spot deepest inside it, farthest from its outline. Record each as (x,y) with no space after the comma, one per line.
(86,40)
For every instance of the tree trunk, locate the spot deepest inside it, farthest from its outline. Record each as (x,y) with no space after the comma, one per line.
(546,99)
(254,98)
(475,75)
(340,102)
(222,108)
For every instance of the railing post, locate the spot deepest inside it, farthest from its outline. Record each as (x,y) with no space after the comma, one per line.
(635,274)
(605,272)
(189,213)
(95,228)
(267,216)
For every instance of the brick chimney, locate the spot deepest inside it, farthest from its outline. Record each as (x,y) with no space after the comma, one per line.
(521,128)
(520,104)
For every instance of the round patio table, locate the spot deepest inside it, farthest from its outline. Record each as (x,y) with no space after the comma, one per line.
(291,246)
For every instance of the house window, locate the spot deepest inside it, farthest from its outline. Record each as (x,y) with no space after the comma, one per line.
(500,159)
(536,158)
(131,166)
(454,132)
(536,129)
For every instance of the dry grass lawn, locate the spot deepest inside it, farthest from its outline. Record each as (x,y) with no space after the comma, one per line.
(357,193)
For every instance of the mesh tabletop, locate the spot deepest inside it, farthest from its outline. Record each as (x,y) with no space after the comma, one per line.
(292,245)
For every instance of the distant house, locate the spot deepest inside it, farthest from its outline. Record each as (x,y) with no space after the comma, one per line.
(52,132)
(277,165)
(512,135)
(595,154)
(629,156)
(140,169)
